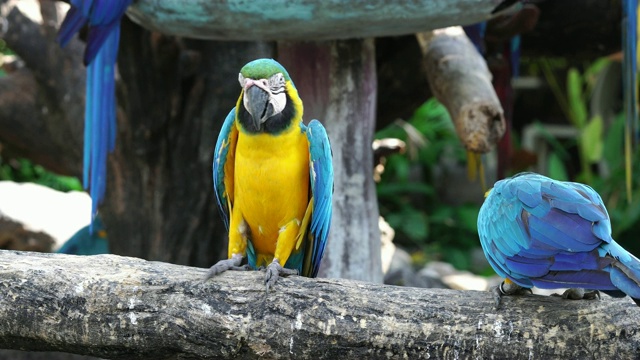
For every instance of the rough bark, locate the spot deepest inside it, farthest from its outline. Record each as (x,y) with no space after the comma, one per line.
(337,83)
(127,308)
(173,95)
(460,79)
(305,19)
(41,109)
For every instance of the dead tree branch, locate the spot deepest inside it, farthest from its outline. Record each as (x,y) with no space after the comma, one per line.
(460,79)
(128,308)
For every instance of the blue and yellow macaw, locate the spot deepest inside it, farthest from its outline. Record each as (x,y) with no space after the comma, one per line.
(87,242)
(103,19)
(536,231)
(273,178)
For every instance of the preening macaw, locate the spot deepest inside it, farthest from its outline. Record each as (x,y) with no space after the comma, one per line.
(536,231)
(87,242)
(103,19)
(273,178)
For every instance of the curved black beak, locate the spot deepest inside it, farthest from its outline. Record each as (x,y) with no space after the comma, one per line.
(257,104)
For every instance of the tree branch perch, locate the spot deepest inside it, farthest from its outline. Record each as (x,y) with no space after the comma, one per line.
(119,307)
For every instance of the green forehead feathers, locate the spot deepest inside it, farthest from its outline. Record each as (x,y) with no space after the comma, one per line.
(263,69)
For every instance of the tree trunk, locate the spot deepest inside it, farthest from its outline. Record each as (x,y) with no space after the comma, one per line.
(173,95)
(127,308)
(160,189)
(337,83)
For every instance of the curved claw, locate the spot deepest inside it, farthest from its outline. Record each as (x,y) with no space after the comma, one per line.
(579,294)
(507,288)
(228,264)
(274,271)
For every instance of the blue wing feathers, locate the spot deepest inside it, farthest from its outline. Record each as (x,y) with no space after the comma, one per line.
(561,236)
(220,156)
(321,178)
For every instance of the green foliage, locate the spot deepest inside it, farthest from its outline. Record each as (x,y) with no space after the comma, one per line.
(22,170)
(598,144)
(408,198)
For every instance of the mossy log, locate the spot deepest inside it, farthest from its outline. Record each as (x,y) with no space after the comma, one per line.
(127,308)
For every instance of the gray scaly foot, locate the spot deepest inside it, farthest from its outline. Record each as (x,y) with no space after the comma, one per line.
(229,264)
(579,294)
(507,288)
(274,271)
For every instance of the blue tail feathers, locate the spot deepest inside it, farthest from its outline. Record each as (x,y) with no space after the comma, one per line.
(103,20)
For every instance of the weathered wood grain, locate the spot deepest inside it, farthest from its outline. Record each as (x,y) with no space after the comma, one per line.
(459,78)
(304,19)
(128,308)
(337,82)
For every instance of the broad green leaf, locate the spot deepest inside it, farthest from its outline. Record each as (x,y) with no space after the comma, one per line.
(591,140)
(577,104)
(556,168)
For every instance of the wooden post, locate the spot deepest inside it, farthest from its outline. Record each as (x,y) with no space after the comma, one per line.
(337,83)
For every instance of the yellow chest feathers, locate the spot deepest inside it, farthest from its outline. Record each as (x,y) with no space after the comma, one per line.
(271,183)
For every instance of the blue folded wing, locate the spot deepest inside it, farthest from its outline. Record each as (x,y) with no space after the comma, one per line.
(223,159)
(321,178)
(103,19)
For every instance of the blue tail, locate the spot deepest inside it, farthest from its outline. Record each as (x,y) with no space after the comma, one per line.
(625,271)
(103,18)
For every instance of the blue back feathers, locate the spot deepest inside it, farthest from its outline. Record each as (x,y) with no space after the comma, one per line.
(552,234)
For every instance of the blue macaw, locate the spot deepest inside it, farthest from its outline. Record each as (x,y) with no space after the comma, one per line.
(86,242)
(536,231)
(273,178)
(103,18)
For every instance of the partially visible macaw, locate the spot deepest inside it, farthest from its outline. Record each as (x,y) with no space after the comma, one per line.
(103,20)
(273,178)
(87,242)
(536,231)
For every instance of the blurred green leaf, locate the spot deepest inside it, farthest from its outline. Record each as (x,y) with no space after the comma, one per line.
(556,168)
(469,218)
(591,139)
(575,98)
(613,143)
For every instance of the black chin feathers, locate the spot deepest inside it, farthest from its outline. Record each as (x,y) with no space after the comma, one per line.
(274,124)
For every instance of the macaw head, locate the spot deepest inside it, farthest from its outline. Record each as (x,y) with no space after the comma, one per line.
(269,101)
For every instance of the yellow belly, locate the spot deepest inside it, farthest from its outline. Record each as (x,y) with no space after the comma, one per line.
(271,184)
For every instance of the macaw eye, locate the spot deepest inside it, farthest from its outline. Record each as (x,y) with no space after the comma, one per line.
(276,81)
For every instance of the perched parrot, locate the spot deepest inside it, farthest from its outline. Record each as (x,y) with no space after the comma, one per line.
(86,242)
(536,231)
(273,178)
(103,19)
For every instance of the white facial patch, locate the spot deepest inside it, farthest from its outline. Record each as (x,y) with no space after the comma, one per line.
(275,86)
